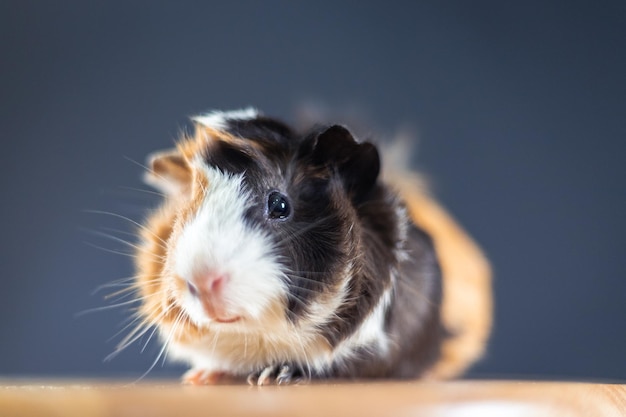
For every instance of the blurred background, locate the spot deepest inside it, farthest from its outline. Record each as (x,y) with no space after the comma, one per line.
(519,107)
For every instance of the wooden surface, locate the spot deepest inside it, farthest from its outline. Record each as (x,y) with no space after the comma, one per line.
(168,398)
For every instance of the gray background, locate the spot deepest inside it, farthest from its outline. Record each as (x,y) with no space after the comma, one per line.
(520,109)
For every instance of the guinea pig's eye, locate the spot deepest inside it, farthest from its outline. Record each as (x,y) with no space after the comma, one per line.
(277,206)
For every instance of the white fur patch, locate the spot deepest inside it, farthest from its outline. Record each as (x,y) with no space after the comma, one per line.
(219,119)
(372,331)
(322,312)
(217,239)
(371,334)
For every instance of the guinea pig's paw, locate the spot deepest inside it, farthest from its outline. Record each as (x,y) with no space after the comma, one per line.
(205,377)
(276,375)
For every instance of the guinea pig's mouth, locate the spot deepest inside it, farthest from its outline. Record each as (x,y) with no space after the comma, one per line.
(206,315)
(226,320)
(216,312)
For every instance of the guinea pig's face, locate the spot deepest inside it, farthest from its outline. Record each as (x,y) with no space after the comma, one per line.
(268,230)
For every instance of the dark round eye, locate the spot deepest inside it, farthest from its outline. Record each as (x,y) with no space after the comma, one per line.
(278,206)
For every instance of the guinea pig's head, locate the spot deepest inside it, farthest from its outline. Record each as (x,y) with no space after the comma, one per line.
(264,225)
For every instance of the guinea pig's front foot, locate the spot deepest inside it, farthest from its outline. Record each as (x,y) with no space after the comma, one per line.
(277,375)
(205,377)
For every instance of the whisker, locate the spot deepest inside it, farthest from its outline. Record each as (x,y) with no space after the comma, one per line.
(104,308)
(298,300)
(115,252)
(145,325)
(140,329)
(143,191)
(113,306)
(123,293)
(204,191)
(130,288)
(301,271)
(123,282)
(215,339)
(294,234)
(130,321)
(163,349)
(119,216)
(308,290)
(180,320)
(149,338)
(126,233)
(124,242)
(120,231)
(146,168)
(130,284)
(306,279)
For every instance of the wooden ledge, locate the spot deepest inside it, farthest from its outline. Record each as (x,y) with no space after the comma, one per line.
(449,399)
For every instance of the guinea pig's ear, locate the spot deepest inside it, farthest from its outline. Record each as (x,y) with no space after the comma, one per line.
(168,172)
(357,163)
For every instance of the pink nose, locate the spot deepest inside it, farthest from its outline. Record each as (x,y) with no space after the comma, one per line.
(209,289)
(207,284)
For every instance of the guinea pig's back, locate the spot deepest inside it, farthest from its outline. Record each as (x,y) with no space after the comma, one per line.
(466,311)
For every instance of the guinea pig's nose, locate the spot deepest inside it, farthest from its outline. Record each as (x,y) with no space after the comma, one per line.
(207,283)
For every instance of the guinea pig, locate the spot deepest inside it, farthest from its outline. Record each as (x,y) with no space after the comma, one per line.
(280,256)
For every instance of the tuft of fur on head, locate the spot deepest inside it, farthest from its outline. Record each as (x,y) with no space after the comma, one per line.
(219,120)
(398,166)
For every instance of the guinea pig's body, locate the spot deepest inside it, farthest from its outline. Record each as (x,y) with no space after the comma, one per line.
(278,257)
